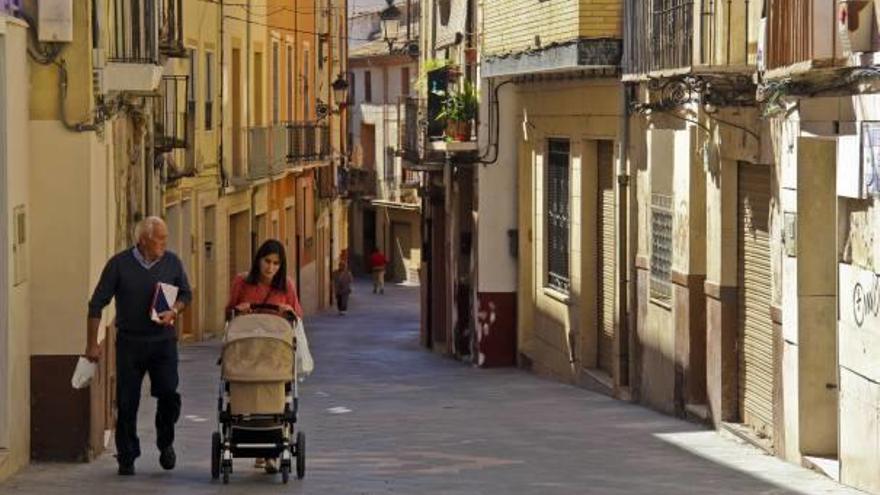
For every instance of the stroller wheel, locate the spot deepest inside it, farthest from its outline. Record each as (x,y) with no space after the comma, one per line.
(285,472)
(300,455)
(215,455)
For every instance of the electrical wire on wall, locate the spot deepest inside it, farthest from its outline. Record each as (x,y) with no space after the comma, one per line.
(49,54)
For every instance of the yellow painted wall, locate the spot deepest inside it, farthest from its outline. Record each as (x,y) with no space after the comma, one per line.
(557,333)
(77,58)
(511,25)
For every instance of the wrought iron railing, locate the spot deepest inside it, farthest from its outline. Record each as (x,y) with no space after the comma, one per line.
(307,141)
(410,133)
(134,32)
(171,28)
(792,31)
(658,35)
(360,182)
(171,114)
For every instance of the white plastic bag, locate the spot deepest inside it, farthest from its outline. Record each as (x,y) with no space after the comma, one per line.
(304,362)
(83,374)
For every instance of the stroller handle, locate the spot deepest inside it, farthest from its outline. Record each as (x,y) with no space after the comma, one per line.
(270,309)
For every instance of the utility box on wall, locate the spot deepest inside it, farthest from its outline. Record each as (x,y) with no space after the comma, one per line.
(55,21)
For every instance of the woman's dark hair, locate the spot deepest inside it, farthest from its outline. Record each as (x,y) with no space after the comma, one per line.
(279,281)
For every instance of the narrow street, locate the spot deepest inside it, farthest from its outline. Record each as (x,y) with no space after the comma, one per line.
(383,415)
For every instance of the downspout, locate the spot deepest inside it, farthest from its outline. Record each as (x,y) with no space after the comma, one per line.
(220,158)
(625,194)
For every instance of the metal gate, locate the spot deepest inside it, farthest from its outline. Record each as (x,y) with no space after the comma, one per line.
(605,258)
(755,338)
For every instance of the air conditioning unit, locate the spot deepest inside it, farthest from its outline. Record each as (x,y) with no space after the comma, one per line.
(55,21)
(855,25)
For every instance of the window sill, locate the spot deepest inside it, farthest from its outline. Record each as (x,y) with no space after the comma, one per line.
(557,295)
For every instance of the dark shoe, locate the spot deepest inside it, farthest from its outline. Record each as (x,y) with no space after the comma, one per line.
(126,468)
(167,458)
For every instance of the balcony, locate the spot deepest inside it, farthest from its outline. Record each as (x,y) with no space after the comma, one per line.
(674,37)
(171,28)
(132,47)
(307,142)
(410,132)
(359,182)
(259,152)
(171,114)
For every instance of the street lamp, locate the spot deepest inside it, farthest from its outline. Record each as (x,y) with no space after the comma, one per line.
(390,20)
(340,91)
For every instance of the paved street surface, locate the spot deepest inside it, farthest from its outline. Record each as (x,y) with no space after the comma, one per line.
(383,415)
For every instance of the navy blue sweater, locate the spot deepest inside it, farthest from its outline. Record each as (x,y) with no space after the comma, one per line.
(133,286)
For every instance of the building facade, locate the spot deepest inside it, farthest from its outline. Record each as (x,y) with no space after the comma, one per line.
(386,215)
(218,117)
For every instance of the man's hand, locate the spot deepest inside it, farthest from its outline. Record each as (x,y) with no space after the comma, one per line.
(286,308)
(243,307)
(166,318)
(93,352)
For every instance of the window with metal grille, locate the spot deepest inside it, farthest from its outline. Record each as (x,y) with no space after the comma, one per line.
(209,90)
(556,192)
(661,247)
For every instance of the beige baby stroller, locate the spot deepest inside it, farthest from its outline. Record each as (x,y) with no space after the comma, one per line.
(257,406)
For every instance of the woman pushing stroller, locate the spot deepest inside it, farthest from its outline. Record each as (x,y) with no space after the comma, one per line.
(266,284)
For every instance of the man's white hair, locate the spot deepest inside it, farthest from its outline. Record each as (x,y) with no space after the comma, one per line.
(146,227)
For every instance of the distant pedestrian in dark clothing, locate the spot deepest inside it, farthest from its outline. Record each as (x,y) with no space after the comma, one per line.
(142,344)
(342,280)
(378,263)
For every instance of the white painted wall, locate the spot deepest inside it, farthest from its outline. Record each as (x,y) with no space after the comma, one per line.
(14,299)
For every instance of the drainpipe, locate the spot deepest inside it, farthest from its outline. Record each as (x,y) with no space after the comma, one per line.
(625,195)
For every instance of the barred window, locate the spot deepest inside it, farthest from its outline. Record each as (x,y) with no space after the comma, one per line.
(661,247)
(556,192)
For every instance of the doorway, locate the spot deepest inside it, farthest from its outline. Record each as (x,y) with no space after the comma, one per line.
(208,290)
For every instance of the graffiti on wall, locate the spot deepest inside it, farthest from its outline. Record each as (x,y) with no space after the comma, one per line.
(866,300)
(860,297)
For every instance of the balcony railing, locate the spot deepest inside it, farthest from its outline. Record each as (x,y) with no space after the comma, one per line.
(259,157)
(659,35)
(134,32)
(360,182)
(307,141)
(171,28)
(410,134)
(800,31)
(171,117)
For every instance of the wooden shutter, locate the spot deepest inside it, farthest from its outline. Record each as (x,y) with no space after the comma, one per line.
(605,236)
(757,353)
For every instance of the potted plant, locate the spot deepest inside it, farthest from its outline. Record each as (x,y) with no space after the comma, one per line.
(459,110)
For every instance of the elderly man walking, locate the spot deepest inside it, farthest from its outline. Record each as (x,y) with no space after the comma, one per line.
(143,346)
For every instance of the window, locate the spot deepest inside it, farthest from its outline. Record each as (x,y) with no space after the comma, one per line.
(258,88)
(368,86)
(290,109)
(209,90)
(192,87)
(306,78)
(661,247)
(404,81)
(276,83)
(556,192)
(19,245)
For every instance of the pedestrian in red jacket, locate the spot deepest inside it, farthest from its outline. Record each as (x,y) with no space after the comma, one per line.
(378,262)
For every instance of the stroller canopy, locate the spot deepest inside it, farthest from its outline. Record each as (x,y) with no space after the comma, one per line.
(259,348)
